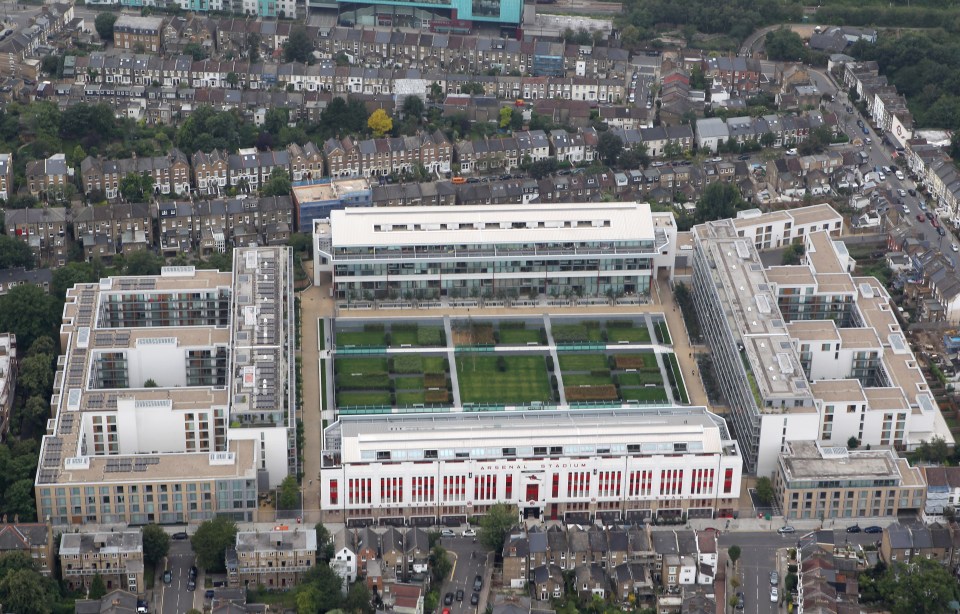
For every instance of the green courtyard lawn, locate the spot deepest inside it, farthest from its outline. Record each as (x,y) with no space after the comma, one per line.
(523,380)
(349,365)
(519,336)
(582,362)
(644,395)
(634,334)
(372,397)
(361,338)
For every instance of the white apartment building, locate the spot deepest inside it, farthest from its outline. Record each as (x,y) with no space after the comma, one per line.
(491,250)
(173,399)
(575,465)
(805,352)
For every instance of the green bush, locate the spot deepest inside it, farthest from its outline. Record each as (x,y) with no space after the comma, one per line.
(501,364)
(550,364)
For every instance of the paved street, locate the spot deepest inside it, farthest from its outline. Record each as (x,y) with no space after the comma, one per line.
(757,560)
(466,568)
(175,598)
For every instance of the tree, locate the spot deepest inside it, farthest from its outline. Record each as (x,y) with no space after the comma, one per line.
(278,184)
(14,253)
(609,147)
(635,157)
(299,47)
(98,588)
(195,50)
(325,588)
(719,201)
(506,114)
(793,254)
(380,123)
(358,599)
(142,262)
(784,45)
(853,443)
(104,25)
(922,587)
(18,500)
(36,374)
(29,312)
(50,64)
(935,450)
(134,186)
(767,139)
(90,123)
(440,564)
(302,243)
(150,383)
(74,273)
(211,540)
(289,497)
(36,410)
(734,553)
(156,543)
(764,490)
(25,591)
(496,525)
(413,108)
(542,168)
(436,92)
(253,47)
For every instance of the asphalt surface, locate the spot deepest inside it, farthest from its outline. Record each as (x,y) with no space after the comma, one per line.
(175,598)
(757,560)
(467,567)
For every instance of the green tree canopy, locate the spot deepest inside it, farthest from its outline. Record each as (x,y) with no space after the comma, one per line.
(25,591)
(785,45)
(923,586)
(496,525)
(719,201)
(134,187)
(29,313)
(104,25)
(278,184)
(299,47)
(143,262)
(98,588)
(14,253)
(156,543)
(609,147)
(211,541)
(289,498)
(413,107)
(764,490)
(734,553)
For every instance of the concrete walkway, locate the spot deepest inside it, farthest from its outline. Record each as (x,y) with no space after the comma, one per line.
(548,328)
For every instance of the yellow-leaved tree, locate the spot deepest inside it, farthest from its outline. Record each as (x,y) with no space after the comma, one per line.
(380,123)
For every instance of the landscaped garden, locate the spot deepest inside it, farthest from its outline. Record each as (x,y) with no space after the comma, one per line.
(397,334)
(503,380)
(403,380)
(615,377)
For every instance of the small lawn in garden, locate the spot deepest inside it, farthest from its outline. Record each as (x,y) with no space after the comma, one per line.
(407,363)
(594,378)
(410,397)
(522,379)
(582,362)
(347,338)
(644,395)
(583,332)
(519,336)
(415,335)
(626,331)
(663,333)
(348,365)
(370,397)
(434,364)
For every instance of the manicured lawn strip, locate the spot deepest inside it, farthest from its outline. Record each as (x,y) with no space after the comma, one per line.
(434,364)
(525,380)
(322,338)
(585,379)
(430,336)
(582,362)
(365,381)
(570,333)
(408,383)
(678,379)
(643,394)
(347,366)
(400,338)
(518,336)
(626,379)
(361,337)
(435,380)
(663,332)
(410,398)
(590,393)
(633,335)
(350,399)
(407,363)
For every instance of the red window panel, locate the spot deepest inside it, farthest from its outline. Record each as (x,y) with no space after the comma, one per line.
(727,480)
(556,485)
(509,487)
(334,495)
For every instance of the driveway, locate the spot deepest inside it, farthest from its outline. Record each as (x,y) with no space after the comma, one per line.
(470,561)
(175,598)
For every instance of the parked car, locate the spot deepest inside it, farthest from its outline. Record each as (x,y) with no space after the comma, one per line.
(912,192)
(774,578)
(459,594)
(874,528)
(786,530)
(193,572)
(469,533)
(192,585)
(920,218)
(774,595)
(865,131)
(180,535)
(208,594)
(474,598)
(478,583)
(854,529)
(447,533)
(448,599)
(167,577)
(740,604)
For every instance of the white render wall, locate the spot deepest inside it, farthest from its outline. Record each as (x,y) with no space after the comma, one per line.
(775,429)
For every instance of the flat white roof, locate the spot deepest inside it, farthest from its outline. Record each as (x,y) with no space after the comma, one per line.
(491,224)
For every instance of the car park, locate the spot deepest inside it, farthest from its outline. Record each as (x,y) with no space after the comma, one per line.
(786,530)
(874,528)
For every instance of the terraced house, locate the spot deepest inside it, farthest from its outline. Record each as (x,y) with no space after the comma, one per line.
(170,173)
